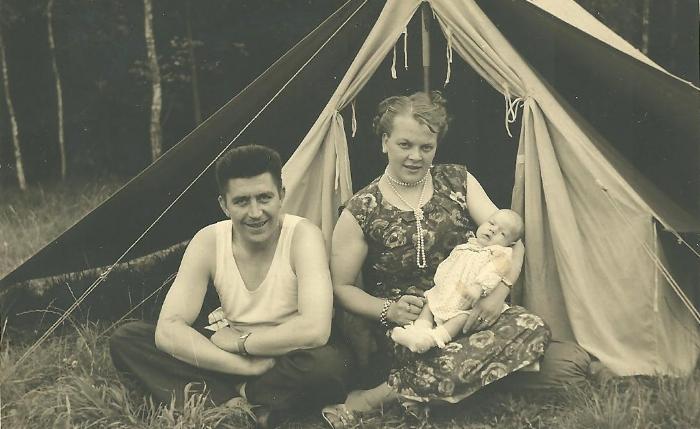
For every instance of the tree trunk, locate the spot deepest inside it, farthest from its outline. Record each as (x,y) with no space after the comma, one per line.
(157,99)
(193,64)
(673,38)
(13,120)
(646,7)
(59,91)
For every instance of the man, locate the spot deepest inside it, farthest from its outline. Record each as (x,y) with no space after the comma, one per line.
(270,271)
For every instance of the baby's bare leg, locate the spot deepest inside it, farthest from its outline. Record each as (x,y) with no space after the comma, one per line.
(444,333)
(425,318)
(454,325)
(416,337)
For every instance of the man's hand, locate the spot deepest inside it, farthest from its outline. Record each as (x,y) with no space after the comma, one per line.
(227,339)
(254,365)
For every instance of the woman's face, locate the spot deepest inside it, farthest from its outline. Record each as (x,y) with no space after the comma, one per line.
(410,148)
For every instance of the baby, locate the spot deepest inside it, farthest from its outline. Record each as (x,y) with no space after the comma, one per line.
(471,271)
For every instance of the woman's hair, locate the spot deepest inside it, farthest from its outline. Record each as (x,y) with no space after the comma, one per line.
(426,108)
(248,161)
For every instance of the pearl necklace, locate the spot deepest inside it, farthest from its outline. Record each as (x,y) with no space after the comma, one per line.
(417,213)
(405,184)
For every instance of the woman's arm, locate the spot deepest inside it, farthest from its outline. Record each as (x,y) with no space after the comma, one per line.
(348,253)
(479,204)
(516,262)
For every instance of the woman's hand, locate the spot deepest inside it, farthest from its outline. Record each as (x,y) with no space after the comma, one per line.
(486,310)
(405,310)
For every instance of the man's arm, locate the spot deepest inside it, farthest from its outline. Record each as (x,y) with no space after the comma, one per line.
(174,334)
(311,327)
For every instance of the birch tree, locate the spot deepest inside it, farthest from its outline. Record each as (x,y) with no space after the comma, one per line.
(197,107)
(154,72)
(646,9)
(19,164)
(59,90)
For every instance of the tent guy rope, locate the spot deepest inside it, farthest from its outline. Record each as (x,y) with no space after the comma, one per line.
(657,262)
(143,301)
(680,240)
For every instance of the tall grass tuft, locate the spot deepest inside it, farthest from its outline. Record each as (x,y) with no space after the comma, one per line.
(70,382)
(637,402)
(29,220)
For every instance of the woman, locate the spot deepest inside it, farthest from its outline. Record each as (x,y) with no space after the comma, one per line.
(400,227)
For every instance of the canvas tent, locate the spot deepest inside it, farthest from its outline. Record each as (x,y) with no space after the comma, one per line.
(595,216)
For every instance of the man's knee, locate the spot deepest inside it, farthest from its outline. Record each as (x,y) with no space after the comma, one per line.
(130,335)
(564,363)
(327,364)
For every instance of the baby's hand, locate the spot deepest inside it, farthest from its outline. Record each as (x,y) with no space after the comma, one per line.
(471,293)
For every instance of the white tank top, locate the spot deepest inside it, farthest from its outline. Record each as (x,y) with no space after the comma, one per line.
(275,300)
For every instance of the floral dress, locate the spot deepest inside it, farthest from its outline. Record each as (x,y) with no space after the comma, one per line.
(469,362)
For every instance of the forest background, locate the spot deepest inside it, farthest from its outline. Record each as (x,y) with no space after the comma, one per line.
(100,88)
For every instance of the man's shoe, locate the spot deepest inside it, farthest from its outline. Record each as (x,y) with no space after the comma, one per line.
(267,419)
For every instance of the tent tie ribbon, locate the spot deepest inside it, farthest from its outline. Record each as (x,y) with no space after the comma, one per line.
(448,53)
(512,105)
(405,54)
(336,181)
(354,118)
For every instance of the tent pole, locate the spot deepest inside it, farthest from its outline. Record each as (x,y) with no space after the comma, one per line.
(425,41)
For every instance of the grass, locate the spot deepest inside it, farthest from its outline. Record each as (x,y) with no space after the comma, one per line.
(70,381)
(29,220)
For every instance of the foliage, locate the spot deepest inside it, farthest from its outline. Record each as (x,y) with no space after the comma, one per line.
(100,53)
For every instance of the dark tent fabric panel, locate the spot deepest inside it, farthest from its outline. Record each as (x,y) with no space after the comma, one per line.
(650,117)
(105,233)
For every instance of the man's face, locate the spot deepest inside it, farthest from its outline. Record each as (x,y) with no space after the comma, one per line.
(253,204)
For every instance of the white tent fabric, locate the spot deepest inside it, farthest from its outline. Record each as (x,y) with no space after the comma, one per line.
(317,175)
(586,229)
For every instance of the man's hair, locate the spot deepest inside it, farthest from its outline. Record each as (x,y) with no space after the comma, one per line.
(248,161)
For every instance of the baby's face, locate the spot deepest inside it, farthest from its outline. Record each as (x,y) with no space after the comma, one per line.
(500,229)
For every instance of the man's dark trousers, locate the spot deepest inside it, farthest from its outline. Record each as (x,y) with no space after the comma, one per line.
(299,380)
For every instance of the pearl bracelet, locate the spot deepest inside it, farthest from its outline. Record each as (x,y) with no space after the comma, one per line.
(385,312)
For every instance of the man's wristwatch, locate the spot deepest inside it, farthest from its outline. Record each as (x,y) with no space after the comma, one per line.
(240,344)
